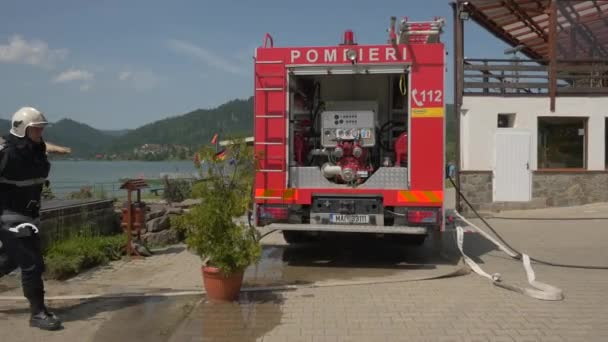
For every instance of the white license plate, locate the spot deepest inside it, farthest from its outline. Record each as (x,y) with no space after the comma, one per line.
(349,219)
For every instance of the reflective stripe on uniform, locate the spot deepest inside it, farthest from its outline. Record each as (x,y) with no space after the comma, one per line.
(27,182)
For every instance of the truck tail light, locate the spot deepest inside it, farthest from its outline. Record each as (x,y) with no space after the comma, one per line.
(269,213)
(422,216)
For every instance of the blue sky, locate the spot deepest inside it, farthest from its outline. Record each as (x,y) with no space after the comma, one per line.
(121,64)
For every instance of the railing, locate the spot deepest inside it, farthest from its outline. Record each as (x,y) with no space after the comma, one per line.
(505,76)
(519,77)
(583,77)
(106,190)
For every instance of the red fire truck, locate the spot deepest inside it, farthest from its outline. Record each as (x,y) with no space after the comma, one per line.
(350,138)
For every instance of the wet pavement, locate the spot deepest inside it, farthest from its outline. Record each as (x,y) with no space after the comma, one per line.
(346,257)
(254,316)
(330,261)
(100,320)
(148,319)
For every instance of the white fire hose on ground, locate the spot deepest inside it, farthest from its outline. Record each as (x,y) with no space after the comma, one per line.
(539,290)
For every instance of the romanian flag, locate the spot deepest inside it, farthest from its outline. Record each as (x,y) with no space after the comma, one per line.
(221,155)
(214,139)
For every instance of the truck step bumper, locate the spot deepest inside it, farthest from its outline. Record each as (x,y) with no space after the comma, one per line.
(354,228)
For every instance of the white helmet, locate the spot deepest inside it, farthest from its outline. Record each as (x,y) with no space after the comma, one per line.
(24,118)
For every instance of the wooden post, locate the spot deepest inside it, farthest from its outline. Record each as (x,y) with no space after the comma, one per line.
(486,79)
(130,186)
(552,53)
(458,87)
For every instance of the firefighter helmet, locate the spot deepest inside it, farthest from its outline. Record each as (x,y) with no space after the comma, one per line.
(24,118)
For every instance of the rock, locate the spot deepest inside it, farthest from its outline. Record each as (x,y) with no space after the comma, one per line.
(187,203)
(155,214)
(166,237)
(158,224)
(175,211)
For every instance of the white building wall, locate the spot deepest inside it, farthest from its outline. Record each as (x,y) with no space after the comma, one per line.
(479,123)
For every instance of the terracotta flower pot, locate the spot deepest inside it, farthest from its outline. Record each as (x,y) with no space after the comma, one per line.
(220,286)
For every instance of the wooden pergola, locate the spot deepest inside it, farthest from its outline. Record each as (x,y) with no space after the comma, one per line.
(569,37)
(546,29)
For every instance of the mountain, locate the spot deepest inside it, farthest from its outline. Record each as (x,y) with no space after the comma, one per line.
(192,129)
(170,137)
(116,133)
(85,141)
(5,125)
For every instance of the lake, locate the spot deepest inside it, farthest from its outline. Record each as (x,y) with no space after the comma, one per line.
(68,176)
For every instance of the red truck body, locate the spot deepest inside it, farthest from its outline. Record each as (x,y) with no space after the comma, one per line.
(321,165)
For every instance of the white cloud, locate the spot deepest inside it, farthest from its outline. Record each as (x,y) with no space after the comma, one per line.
(206,56)
(139,80)
(34,52)
(74,75)
(86,78)
(124,76)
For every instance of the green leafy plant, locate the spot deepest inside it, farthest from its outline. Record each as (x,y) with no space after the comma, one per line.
(47,192)
(78,253)
(210,227)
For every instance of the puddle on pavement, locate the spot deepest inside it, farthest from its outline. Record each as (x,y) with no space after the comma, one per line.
(344,258)
(184,318)
(147,319)
(254,316)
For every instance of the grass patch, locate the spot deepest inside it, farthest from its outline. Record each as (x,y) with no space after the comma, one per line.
(76,254)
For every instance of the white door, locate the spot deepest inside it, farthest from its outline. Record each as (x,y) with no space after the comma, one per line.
(512,176)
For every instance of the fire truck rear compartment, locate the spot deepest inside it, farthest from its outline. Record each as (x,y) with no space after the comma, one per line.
(349,131)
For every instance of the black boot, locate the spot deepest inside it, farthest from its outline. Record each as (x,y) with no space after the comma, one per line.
(45,320)
(41,317)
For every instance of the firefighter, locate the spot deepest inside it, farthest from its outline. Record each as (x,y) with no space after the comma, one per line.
(24,168)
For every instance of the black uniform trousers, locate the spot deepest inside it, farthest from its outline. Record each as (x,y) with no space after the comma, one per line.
(26,253)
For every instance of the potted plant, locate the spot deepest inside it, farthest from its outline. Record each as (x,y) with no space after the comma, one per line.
(212,231)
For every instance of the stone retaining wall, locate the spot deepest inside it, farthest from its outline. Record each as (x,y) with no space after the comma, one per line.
(95,218)
(549,189)
(570,188)
(476,186)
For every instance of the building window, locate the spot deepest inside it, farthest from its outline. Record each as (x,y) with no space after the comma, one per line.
(506,120)
(562,143)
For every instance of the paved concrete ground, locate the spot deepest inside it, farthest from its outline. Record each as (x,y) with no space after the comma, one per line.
(465,308)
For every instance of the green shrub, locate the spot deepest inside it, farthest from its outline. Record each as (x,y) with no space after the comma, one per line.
(176,190)
(85,193)
(210,227)
(76,254)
